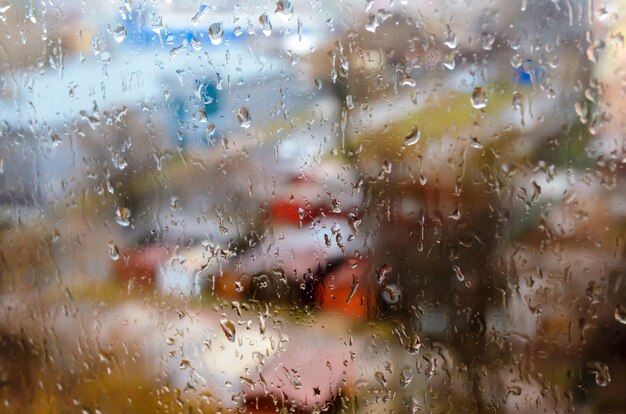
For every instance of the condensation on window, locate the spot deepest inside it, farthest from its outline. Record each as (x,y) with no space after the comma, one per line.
(307,206)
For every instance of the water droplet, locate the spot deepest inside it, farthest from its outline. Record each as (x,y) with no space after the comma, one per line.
(196,44)
(202,116)
(380,377)
(413,137)
(488,40)
(408,81)
(601,372)
(594,50)
(174,203)
(122,216)
(284,8)
(353,288)
(517,100)
(299,29)
(318,84)
(602,13)
(406,376)
(261,324)
(620,314)
(266,25)
(517,60)
(391,294)
(301,213)
(175,51)
(479,98)
(514,390)
(509,168)
(216,33)
(203,11)
(451,40)
(349,102)
(384,271)
(229,329)
(373,21)
(120,162)
(449,61)
(114,252)
(459,274)
(210,130)
(119,34)
(414,345)
(476,144)
(455,214)
(582,110)
(243,117)
(411,404)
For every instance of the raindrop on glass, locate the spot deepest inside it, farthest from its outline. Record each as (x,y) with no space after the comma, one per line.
(479,98)
(266,25)
(114,252)
(413,136)
(243,117)
(284,8)
(228,327)
(122,216)
(216,33)
(119,34)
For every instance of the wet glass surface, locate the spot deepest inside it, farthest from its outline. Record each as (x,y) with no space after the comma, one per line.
(352,206)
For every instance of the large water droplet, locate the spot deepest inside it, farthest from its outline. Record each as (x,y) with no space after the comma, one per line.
(382,274)
(516,101)
(414,344)
(196,44)
(229,329)
(406,376)
(373,21)
(175,51)
(380,377)
(349,102)
(413,136)
(451,39)
(266,25)
(284,8)
(620,314)
(459,274)
(601,372)
(449,60)
(412,405)
(479,98)
(488,40)
(119,34)
(203,11)
(210,130)
(243,117)
(122,216)
(509,168)
(114,252)
(353,288)
(216,33)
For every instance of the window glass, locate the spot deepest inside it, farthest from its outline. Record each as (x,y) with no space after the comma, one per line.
(306,206)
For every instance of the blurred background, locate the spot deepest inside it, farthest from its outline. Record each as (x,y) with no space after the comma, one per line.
(306,206)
